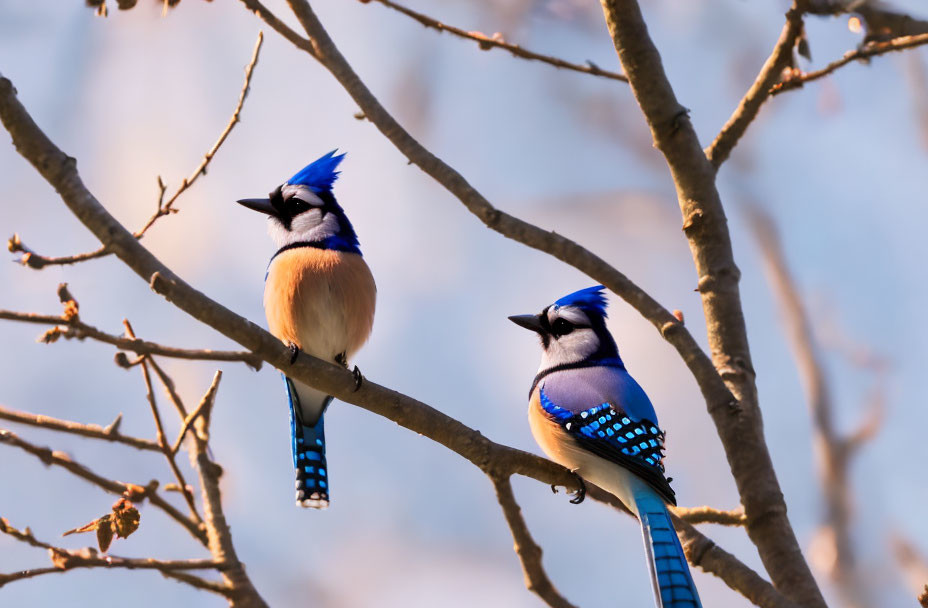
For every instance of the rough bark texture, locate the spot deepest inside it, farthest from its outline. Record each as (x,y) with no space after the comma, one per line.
(739,425)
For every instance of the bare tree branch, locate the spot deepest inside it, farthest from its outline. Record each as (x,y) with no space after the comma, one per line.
(204,406)
(163,442)
(50,457)
(882,21)
(536,579)
(709,515)
(64,560)
(750,105)
(871,49)
(566,250)
(34,260)
(705,225)
(198,582)
(704,553)
(496,42)
(494,459)
(78,330)
(108,433)
(242,591)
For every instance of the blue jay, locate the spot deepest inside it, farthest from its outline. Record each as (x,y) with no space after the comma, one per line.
(588,414)
(319,297)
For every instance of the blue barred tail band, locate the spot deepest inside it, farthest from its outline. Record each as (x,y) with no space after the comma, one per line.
(308,444)
(312,482)
(670,574)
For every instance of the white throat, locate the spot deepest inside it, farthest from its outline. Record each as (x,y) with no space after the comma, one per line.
(309,226)
(575,346)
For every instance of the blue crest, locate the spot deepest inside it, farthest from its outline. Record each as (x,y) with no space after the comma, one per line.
(319,175)
(590,299)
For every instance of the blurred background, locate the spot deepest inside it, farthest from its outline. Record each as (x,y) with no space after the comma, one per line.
(840,165)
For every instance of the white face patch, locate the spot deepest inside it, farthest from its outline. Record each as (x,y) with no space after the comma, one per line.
(308,226)
(570,348)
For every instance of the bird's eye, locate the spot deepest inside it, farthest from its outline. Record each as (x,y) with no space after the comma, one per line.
(296,206)
(561,327)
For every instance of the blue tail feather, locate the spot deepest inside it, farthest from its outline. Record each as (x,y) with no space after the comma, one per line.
(308,444)
(670,575)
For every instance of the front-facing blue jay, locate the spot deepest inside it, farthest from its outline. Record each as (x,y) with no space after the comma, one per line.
(588,414)
(319,297)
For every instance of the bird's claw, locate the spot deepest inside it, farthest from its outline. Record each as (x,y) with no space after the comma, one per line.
(294,352)
(342,359)
(358,378)
(553,489)
(580,494)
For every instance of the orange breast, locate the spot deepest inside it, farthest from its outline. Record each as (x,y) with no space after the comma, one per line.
(321,300)
(549,435)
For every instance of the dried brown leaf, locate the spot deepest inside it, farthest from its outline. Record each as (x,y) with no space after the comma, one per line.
(104,537)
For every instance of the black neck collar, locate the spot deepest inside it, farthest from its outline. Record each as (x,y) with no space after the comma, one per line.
(297,245)
(608,362)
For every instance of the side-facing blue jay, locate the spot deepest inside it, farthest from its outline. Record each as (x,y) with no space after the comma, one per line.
(588,414)
(319,297)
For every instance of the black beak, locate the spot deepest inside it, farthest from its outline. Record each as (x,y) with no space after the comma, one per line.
(532,322)
(259,204)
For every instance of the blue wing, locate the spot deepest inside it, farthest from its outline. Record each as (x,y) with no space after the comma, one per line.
(607,413)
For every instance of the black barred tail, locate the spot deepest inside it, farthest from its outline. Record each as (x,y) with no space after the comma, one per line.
(308,443)
(670,575)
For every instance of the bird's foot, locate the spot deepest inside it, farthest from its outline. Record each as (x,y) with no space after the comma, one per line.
(358,378)
(580,494)
(342,359)
(294,351)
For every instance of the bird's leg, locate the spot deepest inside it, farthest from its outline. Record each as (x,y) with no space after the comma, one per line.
(581,493)
(294,351)
(342,359)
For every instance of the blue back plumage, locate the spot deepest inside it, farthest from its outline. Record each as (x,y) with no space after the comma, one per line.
(591,300)
(579,389)
(320,174)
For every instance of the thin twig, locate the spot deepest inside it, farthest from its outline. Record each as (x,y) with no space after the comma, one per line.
(708,515)
(50,457)
(78,330)
(34,260)
(198,582)
(65,559)
(108,433)
(163,442)
(536,579)
(168,207)
(169,389)
(205,404)
(871,49)
(750,105)
(496,42)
